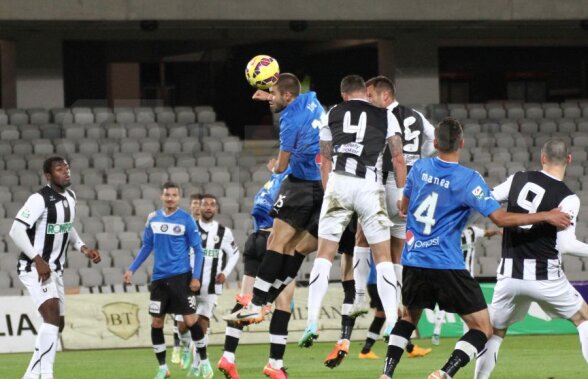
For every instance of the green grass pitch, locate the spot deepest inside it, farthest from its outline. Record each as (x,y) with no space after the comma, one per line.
(540,357)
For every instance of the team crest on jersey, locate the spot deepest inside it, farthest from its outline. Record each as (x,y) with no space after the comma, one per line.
(65,204)
(164,228)
(177,229)
(478,193)
(204,236)
(216,239)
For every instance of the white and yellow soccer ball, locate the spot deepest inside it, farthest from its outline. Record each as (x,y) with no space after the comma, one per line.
(262,71)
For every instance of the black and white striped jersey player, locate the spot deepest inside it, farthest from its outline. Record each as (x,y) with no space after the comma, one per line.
(530,269)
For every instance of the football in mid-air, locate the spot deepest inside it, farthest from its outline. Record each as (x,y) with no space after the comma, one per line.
(262,71)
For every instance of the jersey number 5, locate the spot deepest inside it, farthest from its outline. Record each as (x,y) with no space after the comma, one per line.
(425,213)
(530,198)
(359,129)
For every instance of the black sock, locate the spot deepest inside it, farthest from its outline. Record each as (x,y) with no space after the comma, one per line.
(471,343)
(348,291)
(347,322)
(232,341)
(198,335)
(158,341)
(404,330)
(292,264)
(409,347)
(278,333)
(176,335)
(269,270)
(374,330)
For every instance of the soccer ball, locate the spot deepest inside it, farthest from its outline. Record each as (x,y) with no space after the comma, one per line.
(262,71)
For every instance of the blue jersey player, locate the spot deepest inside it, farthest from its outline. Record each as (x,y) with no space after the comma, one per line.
(439,197)
(170,232)
(297,207)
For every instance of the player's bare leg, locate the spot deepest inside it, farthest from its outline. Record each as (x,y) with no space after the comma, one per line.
(279,333)
(341,348)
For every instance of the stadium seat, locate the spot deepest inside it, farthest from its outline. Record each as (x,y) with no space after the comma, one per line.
(62,116)
(185,116)
(90,277)
(30,132)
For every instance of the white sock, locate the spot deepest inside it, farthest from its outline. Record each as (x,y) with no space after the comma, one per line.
(386,281)
(47,338)
(230,356)
(583,332)
(34,370)
(439,317)
(398,272)
(361,268)
(185,339)
(196,358)
(276,363)
(487,358)
(317,288)
(164,367)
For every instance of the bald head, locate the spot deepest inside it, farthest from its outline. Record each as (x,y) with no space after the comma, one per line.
(556,152)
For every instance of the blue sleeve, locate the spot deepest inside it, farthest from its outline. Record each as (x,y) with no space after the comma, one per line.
(196,244)
(409,182)
(287,135)
(479,197)
(145,250)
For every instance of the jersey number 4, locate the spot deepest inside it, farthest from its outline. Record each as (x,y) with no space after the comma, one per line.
(425,213)
(359,129)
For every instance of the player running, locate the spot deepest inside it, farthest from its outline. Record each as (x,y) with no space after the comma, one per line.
(170,232)
(439,198)
(530,268)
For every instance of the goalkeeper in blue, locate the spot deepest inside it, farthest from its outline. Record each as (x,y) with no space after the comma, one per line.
(170,232)
(439,198)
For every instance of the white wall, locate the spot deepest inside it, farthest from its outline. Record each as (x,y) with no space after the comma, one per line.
(39,73)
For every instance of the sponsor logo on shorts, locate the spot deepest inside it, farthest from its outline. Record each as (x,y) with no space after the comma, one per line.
(155,307)
(192,301)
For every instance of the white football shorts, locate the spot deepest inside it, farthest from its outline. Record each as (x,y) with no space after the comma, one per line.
(398,230)
(347,194)
(52,288)
(513,297)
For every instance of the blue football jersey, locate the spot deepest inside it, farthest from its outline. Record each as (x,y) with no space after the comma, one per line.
(442,197)
(299,135)
(264,201)
(170,237)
